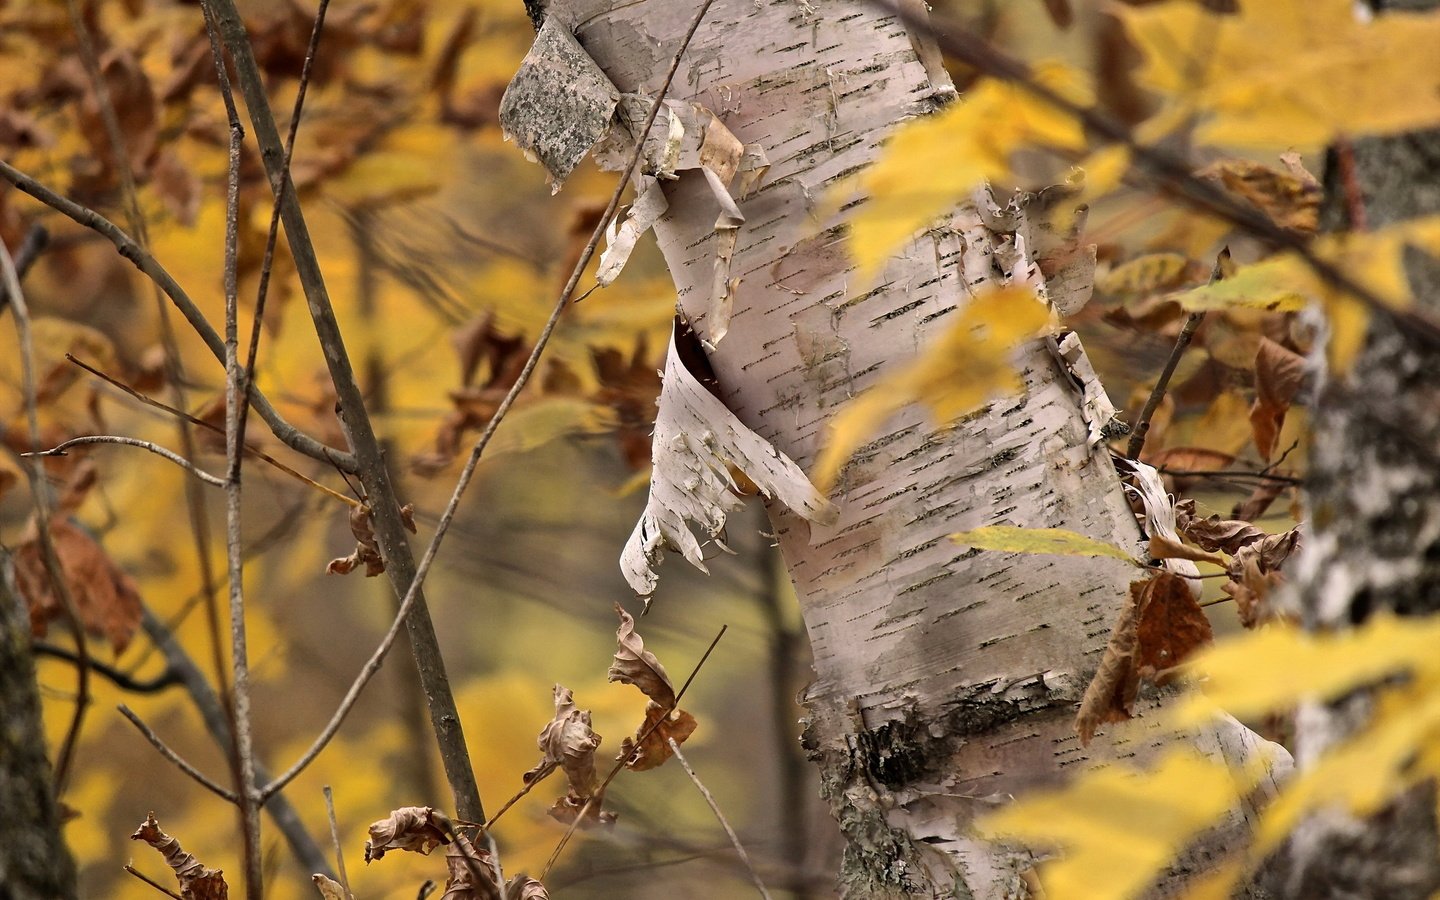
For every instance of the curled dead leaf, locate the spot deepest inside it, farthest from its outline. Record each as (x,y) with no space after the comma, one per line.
(196,881)
(569,743)
(1161,547)
(416,828)
(472,872)
(1291,198)
(523,887)
(1112,690)
(329,888)
(633,664)
(367,548)
(1279,374)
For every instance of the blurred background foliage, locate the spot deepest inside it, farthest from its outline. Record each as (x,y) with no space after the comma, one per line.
(444,250)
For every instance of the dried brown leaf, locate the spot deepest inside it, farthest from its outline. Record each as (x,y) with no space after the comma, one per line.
(1171,624)
(106,599)
(416,828)
(1279,373)
(653,748)
(1214,533)
(1251,590)
(472,872)
(329,888)
(196,881)
(569,743)
(569,807)
(635,665)
(1111,692)
(1254,506)
(523,887)
(367,548)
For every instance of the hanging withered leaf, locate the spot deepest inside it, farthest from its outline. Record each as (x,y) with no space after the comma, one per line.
(651,745)
(196,881)
(635,665)
(106,600)
(696,440)
(367,548)
(569,743)
(1279,374)
(1157,630)
(419,829)
(471,872)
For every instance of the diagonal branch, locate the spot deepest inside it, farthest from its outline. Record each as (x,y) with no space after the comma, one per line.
(151,268)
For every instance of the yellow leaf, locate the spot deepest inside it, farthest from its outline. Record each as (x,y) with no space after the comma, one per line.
(960,370)
(1274,668)
(1282,73)
(934,163)
(1117,829)
(1056,541)
(1274,285)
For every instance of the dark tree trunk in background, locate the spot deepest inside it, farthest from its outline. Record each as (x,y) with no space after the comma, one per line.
(34,863)
(1374,496)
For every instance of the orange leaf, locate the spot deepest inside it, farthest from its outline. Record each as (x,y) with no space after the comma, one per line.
(106,599)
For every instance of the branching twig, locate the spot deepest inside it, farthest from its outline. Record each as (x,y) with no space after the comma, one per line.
(412,592)
(197,421)
(212,712)
(177,459)
(33,244)
(40,491)
(151,268)
(179,762)
(371,468)
(1187,332)
(122,680)
(715,808)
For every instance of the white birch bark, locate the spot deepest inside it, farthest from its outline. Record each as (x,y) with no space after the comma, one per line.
(945,678)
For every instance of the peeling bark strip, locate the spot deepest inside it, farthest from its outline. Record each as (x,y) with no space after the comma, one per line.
(946,678)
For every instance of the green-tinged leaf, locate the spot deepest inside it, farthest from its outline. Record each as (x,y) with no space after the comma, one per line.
(1273,285)
(959,371)
(1117,829)
(1054,541)
(936,162)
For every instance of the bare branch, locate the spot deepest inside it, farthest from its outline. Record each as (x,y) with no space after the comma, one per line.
(200,777)
(122,680)
(147,264)
(62,448)
(715,808)
(335,840)
(150,881)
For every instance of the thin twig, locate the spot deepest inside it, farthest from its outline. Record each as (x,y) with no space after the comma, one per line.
(620,763)
(235,399)
(412,593)
(371,466)
(148,880)
(62,448)
(31,246)
(40,491)
(1166,170)
(209,426)
(217,722)
(715,808)
(200,777)
(122,680)
(1228,473)
(1187,332)
(151,268)
(335,839)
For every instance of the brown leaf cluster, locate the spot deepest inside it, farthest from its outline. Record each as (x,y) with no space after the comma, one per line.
(1256,559)
(1157,630)
(196,881)
(367,547)
(633,664)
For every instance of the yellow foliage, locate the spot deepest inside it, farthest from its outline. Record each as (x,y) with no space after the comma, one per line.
(960,370)
(1120,828)
(936,162)
(1283,73)
(1055,541)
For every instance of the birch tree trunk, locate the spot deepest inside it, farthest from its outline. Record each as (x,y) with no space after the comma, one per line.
(945,679)
(1374,495)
